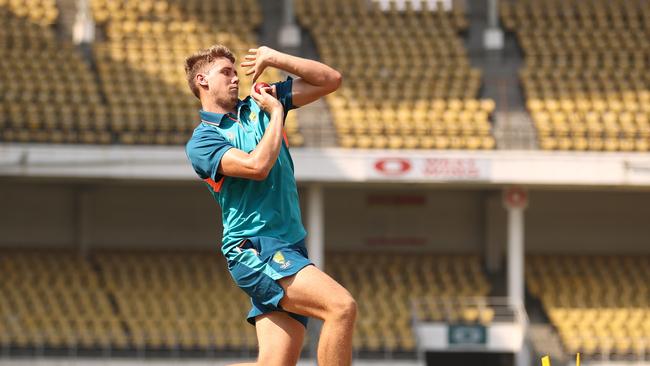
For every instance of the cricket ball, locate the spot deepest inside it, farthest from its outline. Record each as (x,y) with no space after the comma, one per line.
(260,85)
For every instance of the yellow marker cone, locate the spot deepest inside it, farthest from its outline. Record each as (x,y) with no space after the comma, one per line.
(578,359)
(546,361)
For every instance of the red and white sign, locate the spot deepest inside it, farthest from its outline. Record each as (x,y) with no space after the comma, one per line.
(452,168)
(432,169)
(515,197)
(392,166)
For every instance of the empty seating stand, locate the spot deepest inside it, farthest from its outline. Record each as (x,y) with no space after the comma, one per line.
(183,300)
(48,93)
(53,299)
(140,62)
(386,285)
(407,78)
(136,92)
(599,305)
(585,76)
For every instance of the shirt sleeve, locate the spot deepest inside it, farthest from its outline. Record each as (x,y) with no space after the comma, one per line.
(205,151)
(284,93)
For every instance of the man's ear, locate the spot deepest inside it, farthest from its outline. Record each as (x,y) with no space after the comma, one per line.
(201,79)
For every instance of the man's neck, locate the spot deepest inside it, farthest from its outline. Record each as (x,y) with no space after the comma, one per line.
(216,108)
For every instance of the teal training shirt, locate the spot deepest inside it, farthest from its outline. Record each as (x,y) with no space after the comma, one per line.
(249,208)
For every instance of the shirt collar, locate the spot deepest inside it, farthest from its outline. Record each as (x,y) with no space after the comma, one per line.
(213,118)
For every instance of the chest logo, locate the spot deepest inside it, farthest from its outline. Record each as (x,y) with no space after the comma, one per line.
(253,116)
(231,137)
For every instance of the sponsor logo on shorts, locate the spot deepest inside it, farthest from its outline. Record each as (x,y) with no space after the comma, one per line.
(279,259)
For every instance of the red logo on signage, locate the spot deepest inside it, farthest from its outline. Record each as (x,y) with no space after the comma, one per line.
(393,166)
(516,197)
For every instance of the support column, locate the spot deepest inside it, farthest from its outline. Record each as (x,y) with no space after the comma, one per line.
(316,248)
(515,200)
(516,255)
(315,225)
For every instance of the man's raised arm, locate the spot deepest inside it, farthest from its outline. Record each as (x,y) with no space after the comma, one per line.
(314,79)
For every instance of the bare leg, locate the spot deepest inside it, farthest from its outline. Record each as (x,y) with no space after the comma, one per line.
(312,292)
(280,339)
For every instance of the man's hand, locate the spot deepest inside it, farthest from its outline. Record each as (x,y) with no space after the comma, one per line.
(258,163)
(267,101)
(257,60)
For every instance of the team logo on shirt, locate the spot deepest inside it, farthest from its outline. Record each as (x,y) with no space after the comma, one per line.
(253,116)
(279,259)
(231,137)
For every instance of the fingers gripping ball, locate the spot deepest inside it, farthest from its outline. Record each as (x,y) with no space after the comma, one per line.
(260,85)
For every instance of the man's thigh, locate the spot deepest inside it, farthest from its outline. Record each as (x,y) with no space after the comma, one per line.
(312,292)
(280,339)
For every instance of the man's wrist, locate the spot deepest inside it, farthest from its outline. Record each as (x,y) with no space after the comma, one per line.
(274,59)
(277,110)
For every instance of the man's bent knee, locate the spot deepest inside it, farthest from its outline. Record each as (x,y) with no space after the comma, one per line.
(344,309)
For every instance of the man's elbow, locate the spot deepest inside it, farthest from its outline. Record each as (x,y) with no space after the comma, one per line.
(259,176)
(260,173)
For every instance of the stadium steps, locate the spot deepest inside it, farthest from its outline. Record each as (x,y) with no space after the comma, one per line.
(497,280)
(67,15)
(542,335)
(269,30)
(546,341)
(513,128)
(315,119)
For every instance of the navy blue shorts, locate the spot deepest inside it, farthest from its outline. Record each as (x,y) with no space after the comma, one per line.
(258,263)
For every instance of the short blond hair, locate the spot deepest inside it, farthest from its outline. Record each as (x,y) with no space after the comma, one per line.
(198,61)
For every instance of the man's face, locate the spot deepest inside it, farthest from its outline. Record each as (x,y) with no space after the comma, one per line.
(223,82)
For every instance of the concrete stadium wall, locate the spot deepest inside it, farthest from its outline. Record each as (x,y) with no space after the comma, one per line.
(36,214)
(150,215)
(117,215)
(584,222)
(404,220)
